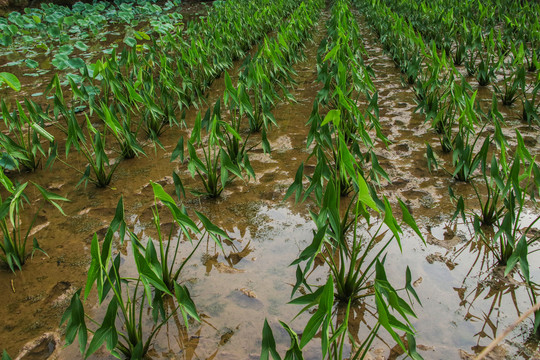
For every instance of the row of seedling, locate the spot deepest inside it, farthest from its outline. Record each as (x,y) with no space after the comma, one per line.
(462,30)
(505,182)
(220,140)
(157,283)
(420,64)
(133,92)
(346,234)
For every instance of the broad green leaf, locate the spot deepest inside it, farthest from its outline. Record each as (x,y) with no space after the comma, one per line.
(11,80)
(187,306)
(32,64)
(129,41)
(81,46)
(332,116)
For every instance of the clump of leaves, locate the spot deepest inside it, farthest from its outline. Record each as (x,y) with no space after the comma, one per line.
(15,233)
(128,296)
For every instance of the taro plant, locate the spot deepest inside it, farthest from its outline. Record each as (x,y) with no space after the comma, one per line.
(169,252)
(261,86)
(92,145)
(26,131)
(521,183)
(15,231)
(513,77)
(239,106)
(348,263)
(465,158)
(215,168)
(350,257)
(10,80)
(334,328)
(531,107)
(117,104)
(488,66)
(513,83)
(129,296)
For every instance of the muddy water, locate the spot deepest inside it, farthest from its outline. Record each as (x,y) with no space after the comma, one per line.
(466,301)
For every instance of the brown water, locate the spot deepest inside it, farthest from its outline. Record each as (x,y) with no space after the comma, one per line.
(466,301)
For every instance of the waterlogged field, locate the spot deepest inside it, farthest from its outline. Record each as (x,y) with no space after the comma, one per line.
(270,179)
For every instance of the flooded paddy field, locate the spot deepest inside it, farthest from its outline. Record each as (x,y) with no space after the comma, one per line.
(466,297)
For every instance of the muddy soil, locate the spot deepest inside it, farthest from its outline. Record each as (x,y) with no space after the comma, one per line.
(466,300)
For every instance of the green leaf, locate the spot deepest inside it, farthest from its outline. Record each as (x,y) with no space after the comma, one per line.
(51,198)
(294,352)
(44,133)
(409,220)
(324,311)
(160,194)
(65,49)
(268,343)
(81,46)
(32,64)
(187,306)
(411,344)
(148,274)
(11,80)
(178,186)
(364,194)
(129,41)
(107,331)
(408,285)
(332,116)
(296,186)
(76,63)
(178,150)
(332,53)
(212,228)
(519,255)
(5,355)
(431,160)
(36,247)
(74,315)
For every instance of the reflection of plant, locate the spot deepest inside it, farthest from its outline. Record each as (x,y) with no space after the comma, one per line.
(14,241)
(126,295)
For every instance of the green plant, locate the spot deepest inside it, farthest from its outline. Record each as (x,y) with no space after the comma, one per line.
(514,77)
(168,253)
(10,80)
(334,329)
(15,233)
(488,66)
(154,282)
(215,167)
(99,169)
(510,93)
(512,238)
(239,105)
(531,108)
(465,159)
(24,145)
